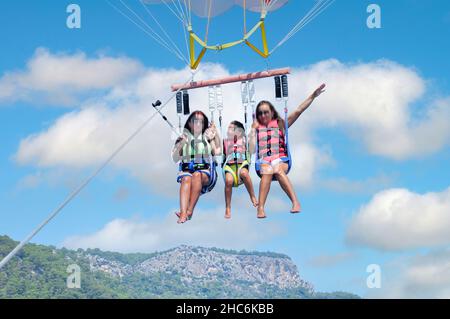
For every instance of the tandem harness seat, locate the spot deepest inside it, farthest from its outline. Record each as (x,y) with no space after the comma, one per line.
(240,159)
(196,157)
(273,132)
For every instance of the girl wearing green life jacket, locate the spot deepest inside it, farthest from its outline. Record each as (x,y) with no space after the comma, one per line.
(236,164)
(195,150)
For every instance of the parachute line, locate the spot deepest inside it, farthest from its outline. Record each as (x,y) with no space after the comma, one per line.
(146,31)
(182,15)
(164,31)
(319,7)
(209,3)
(178,15)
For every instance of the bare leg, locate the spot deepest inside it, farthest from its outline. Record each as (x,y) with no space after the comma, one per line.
(185,194)
(229,180)
(286,185)
(198,181)
(245,176)
(264,187)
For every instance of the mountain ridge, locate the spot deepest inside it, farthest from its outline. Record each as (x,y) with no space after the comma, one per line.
(40,271)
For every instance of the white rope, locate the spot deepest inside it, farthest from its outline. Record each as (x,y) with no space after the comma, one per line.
(183,19)
(154,32)
(271,4)
(164,31)
(309,14)
(183,12)
(179,14)
(189,12)
(305,18)
(208,4)
(184,26)
(318,8)
(166,46)
(84,184)
(186,8)
(179,17)
(143,22)
(135,23)
(316,11)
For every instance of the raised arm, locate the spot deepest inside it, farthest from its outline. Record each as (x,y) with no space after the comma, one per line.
(302,107)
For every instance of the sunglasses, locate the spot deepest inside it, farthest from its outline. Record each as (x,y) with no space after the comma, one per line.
(261,113)
(197,121)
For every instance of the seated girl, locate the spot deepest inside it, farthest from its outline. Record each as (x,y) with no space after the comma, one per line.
(195,149)
(236,164)
(268,135)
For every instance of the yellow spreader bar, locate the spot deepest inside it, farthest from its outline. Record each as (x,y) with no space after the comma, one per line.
(193,38)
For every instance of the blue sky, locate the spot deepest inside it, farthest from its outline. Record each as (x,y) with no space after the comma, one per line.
(356,169)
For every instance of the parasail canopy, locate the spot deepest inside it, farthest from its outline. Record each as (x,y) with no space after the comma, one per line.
(213,8)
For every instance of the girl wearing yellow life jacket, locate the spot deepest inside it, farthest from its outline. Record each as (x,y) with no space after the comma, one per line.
(236,164)
(195,150)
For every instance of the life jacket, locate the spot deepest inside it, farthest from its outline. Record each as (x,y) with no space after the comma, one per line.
(196,156)
(197,150)
(235,150)
(271,142)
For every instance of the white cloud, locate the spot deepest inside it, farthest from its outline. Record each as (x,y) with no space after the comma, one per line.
(59,78)
(373,102)
(398,219)
(207,228)
(421,276)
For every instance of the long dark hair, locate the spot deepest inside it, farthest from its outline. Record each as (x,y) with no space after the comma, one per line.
(191,118)
(275,115)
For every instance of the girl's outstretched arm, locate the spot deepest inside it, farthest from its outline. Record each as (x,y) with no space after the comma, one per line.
(302,107)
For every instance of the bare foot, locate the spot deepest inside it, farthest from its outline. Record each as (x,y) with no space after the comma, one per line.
(254,201)
(261,213)
(228,212)
(295,208)
(182,219)
(189,215)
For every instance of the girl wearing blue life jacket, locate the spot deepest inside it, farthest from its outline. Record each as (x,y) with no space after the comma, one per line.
(195,150)
(273,157)
(236,164)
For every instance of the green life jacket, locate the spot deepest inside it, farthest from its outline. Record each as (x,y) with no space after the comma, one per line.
(196,150)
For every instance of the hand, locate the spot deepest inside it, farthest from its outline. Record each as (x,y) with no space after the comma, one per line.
(255,124)
(182,140)
(210,132)
(318,91)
